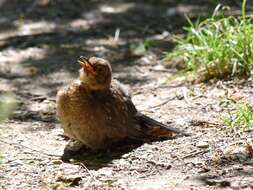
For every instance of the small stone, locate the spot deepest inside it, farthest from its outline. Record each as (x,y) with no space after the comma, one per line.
(202,145)
(72,180)
(56,161)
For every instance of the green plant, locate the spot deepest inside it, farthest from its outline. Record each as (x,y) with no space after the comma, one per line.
(1,158)
(148,44)
(7,105)
(142,47)
(218,47)
(241,117)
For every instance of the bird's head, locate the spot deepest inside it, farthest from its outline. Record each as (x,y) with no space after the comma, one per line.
(96,73)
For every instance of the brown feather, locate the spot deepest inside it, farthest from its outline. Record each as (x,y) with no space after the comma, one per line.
(97,117)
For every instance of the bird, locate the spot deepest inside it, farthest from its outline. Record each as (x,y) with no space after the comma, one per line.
(96,110)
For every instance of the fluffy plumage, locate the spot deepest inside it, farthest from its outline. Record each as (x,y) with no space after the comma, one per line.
(96,111)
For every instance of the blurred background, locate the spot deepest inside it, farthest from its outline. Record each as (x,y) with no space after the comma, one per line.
(40,40)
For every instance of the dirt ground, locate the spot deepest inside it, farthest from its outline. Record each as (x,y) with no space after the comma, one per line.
(40,42)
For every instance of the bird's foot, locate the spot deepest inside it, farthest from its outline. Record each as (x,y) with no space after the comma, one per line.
(73,148)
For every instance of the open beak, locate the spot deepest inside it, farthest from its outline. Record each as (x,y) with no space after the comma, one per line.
(83,61)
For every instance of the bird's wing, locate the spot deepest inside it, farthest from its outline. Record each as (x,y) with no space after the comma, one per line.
(122,111)
(124,93)
(152,129)
(144,127)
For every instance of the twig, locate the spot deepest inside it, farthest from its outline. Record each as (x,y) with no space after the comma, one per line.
(23,146)
(162,103)
(39,98)
(180,182)
(88,171)
(203,122)
(195,153)
(85,168)
(159,70)
(158,105)
(186,98)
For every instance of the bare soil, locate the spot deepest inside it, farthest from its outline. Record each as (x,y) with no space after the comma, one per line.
(40,42)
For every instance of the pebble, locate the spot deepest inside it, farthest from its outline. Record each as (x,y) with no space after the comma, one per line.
(202,145)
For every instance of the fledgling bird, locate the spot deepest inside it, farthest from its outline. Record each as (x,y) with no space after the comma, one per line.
(96,111)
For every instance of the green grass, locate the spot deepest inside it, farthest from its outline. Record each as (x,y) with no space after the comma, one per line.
(241,117)
(218,47)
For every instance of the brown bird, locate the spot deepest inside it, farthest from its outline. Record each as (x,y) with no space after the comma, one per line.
(96,111)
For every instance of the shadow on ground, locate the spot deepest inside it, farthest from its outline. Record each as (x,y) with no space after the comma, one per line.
(95,160)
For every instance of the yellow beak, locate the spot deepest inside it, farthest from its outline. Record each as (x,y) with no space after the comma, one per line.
(83,61)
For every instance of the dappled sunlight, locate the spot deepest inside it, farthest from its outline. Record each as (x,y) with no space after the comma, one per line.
(28,28)
(79,24)
(12,61)
(116,8)
(40,43)
(44,107)
(5,85)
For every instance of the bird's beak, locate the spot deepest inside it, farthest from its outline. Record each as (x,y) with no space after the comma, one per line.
(86,65)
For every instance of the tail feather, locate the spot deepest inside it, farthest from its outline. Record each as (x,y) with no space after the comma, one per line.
(153,129)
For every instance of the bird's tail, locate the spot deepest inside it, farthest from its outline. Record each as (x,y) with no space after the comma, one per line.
(153,130)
